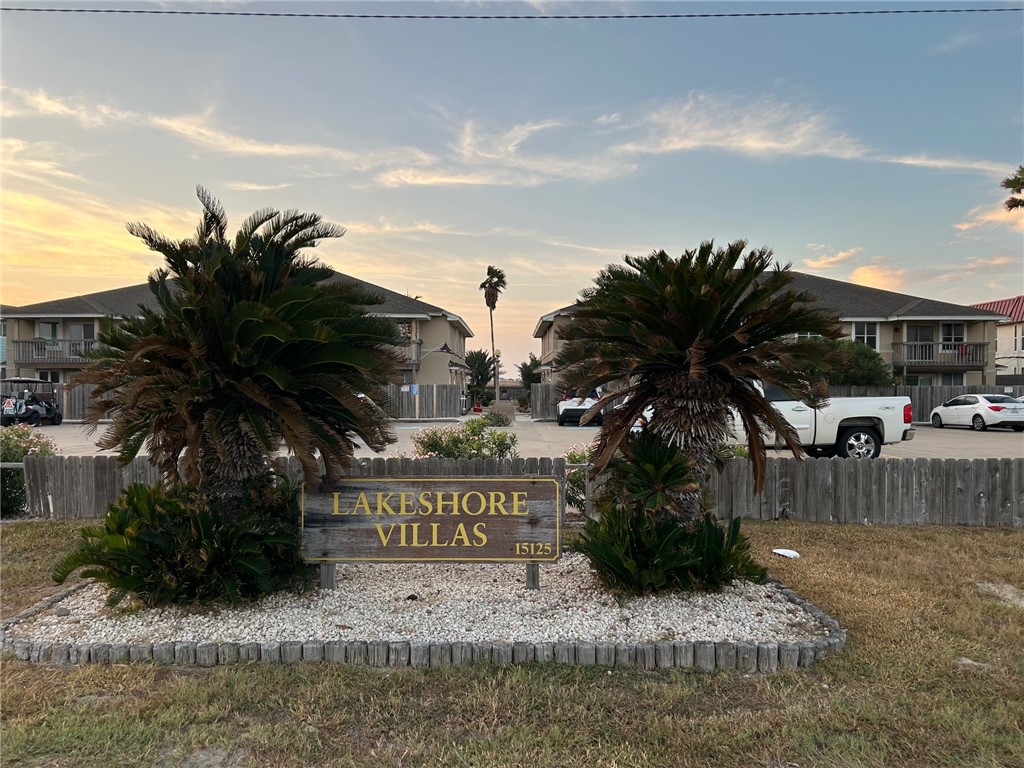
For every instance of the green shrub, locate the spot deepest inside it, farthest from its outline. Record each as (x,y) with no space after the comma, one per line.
(650,474)
(496,419)
(636,553)
(473,439)
(722,554)
(642,543)
(166,546)
(17,442)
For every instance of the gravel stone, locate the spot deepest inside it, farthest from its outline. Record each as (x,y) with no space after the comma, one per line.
(486,607)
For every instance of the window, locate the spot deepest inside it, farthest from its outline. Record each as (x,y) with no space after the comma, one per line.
(952,380)
(47,329)
(866,333)
(81,330)
(52,376)
(952,334)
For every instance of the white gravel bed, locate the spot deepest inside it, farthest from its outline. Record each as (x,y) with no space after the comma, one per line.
(441,603)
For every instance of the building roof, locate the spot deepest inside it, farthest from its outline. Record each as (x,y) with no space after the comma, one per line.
(545,323)
(125,302)
(859,302)
(1013,307)
(117,302)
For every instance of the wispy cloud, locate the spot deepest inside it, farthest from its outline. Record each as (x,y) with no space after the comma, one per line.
(384,226)
(611,119)
(992,217)
(245,186)
(38,162)
(21,102)
(200,130)
(945,163)
(958,42)
(763,127)
(510,157)
(526,154)
(829,260)
(880,276)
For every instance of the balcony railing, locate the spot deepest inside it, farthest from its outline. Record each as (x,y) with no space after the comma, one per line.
(961,355)
(39,353)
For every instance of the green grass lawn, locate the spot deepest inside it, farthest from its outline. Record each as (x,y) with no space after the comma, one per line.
(898,695)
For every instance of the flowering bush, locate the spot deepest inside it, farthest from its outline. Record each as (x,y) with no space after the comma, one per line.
(473,439)
(17,442)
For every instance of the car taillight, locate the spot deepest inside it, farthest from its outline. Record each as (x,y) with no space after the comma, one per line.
(908,413)
(997,408)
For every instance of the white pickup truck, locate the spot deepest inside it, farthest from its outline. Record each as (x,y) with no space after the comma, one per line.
(853,427)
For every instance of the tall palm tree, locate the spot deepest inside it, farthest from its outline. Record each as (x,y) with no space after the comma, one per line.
(492,288)
(250,348)
(688,338)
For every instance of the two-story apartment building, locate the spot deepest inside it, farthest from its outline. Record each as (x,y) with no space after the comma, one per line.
(927,342)
(48,340)
(1009,335)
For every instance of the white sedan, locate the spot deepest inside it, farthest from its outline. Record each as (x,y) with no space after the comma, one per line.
(980,412)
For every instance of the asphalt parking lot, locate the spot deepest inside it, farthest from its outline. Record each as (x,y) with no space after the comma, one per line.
(546,438)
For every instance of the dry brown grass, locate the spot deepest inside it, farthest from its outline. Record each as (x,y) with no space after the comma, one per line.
(896,696)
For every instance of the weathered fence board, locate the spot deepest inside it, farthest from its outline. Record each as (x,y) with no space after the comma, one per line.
(981,492)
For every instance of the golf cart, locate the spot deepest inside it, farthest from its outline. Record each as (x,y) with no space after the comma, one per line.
(29,401)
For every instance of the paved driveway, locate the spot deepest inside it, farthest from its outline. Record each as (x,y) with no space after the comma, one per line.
(546,438)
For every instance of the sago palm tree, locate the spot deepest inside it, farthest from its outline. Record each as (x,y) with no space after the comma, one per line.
(688,338)
(250,348)
(492,288)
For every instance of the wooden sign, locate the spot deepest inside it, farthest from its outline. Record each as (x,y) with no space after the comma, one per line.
(470,519)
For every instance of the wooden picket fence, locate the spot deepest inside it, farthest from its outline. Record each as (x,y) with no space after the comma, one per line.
(975,492)
(978,492)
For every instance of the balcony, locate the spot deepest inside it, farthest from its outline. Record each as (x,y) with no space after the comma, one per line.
(945,356)
(49,353)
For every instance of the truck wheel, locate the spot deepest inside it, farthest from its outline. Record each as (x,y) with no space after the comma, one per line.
(937,421)
(34,419)
(978,423)
(561,421)
(859,443)
(57,418)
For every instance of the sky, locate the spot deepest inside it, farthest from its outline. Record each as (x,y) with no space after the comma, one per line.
(864,148)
